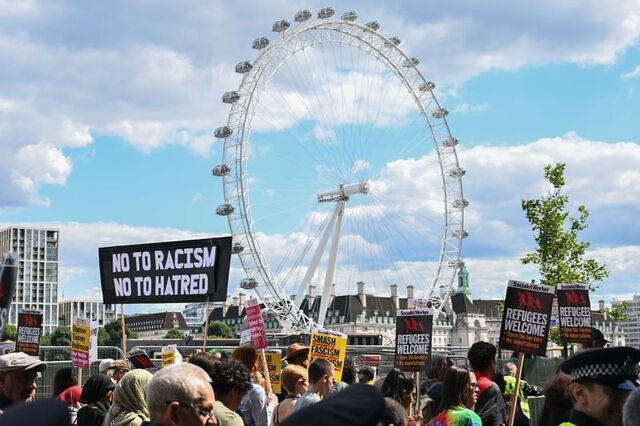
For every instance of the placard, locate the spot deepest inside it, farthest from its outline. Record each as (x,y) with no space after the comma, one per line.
(8,279)
(167,272)
(274,364)
(255,322)
(574,309)
(84,342)
(331,347)
(170,355)
(28,332)
(245,336)
(526,316)
(414,335)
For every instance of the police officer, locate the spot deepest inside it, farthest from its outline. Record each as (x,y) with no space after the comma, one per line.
(601,380)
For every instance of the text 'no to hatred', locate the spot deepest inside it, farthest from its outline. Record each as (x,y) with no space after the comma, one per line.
(165,275)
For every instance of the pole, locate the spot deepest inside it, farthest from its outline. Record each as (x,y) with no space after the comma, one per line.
(124,333)
(206,325)
(265,369)
(416,403)
(516,390)
(80,376)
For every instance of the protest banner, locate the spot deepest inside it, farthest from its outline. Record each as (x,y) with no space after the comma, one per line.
(332,347)
(7,347)
(574,309)
(170,355)
(8,280)
(413,339)
(245,337)
(139,359)
(525,317)
(255,322)
(274,366)
(167,272)
(28,332)
(84,342)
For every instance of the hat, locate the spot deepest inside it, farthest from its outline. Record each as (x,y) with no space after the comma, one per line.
(357,405)
(295,349)
(105,364)
(597,336)
(121,364)
(614,367)
(19,361)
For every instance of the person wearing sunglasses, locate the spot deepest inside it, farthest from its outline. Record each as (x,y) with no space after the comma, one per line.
(181,395)
(460,393)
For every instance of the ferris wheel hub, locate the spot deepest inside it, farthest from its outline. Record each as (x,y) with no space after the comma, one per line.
(344,192)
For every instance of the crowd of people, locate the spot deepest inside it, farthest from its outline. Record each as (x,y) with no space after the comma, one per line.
(596,386)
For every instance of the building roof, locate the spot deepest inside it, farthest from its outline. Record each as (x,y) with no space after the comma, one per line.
(461,304)
(489,308)
(155,321)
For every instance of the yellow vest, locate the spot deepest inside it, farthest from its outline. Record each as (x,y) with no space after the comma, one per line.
(510,384)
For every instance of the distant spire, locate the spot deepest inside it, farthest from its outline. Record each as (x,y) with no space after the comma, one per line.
(463,283)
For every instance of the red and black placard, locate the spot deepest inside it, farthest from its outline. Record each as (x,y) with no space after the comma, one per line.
(526,316)
(574,313)
(29,332)
(414,329)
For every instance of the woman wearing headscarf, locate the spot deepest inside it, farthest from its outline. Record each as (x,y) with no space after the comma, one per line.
(96,394)
(129,406)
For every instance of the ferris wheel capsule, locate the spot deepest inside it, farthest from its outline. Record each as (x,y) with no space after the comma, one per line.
(248,283)
(449,142)
(460,234)
(460,203)
(224,209)
(221,170)
(230,97)
(223,132)
(456,264)
(410,62)
(425,87)
(260,43)
(393,41)
(303,15)
(440,113)
(373,25)
(280,26)
(352,15)
(243,67)
(326,12)
(237,248)
(457,172)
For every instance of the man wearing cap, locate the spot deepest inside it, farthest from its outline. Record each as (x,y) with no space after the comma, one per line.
(18,373)
(601,380)
(120,367)
(597,340)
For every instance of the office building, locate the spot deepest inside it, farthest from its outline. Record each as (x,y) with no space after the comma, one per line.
(37,287)
(84,308)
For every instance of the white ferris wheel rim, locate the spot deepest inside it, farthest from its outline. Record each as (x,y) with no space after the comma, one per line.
(235,156)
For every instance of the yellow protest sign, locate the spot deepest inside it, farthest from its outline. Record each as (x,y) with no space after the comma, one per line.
(274,364)
(82,347)
(330,347)
(170,355)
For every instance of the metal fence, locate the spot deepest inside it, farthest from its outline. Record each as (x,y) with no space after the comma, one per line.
(59,357)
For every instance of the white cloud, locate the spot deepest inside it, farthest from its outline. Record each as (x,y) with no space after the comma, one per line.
(466,107)
(631,74)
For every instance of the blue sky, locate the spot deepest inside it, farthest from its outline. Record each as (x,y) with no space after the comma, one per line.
(107,116)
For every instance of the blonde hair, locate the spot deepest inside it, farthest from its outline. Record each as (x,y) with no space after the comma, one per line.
(290,376)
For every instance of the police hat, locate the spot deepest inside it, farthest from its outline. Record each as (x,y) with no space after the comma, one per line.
(614,367)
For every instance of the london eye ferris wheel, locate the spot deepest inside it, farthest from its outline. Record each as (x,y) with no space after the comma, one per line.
(338,166)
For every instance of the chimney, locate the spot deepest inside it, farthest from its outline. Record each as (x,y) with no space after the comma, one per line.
(410,298)
(394,295)
(312,294)
(235,301)
(361,295)
(601,306)
(241,300)
(225,307)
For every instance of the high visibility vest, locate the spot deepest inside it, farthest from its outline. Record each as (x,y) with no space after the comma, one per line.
(510,384)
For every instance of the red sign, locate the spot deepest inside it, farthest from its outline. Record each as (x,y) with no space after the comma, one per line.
(256,325)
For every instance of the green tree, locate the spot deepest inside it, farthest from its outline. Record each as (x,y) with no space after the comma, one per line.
(61,336)
(560,256)
(617,312)
(219,329)
(174,334)
(111,334)
(9,332)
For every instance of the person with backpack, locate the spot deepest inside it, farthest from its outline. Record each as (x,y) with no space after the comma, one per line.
(431,389)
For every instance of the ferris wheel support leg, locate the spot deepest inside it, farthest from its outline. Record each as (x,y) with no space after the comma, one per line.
(331,266)
(315,261)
